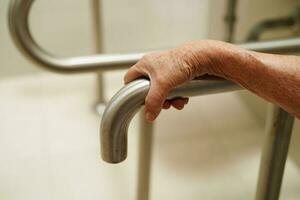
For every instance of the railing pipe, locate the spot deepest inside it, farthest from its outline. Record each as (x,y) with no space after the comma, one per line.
(123,106)
(274,155)
(271,24)
(127,101)
(19,28)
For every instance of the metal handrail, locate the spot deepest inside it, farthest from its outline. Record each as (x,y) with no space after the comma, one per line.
(270,24)
(123,106)
(19,28)
(128,100)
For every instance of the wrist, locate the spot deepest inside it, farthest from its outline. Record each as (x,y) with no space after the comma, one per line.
(226,60)
(210,57)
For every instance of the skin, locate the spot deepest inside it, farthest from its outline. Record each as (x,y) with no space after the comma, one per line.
(275,78)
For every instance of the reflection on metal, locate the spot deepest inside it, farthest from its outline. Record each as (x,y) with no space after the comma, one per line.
(275,151)
(19,28)
(130,98)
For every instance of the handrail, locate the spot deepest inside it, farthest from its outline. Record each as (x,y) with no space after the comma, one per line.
(123,106)
(269,24)
(19,28)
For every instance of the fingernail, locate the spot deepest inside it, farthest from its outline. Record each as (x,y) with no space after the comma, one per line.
(150,117)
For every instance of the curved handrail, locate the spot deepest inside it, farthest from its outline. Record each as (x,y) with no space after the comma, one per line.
(19,28)
(123,106)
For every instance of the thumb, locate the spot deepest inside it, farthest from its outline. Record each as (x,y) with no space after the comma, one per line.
(154,100)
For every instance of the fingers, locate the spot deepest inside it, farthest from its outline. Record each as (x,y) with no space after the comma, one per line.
(166,105)
(179,103)
(155,100)
(186,100)
(162,78)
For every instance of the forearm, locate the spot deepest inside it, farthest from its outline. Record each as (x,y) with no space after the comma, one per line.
(276,78)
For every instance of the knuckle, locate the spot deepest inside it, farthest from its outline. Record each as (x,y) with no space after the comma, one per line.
(160,79)
(164,84)
(187,72)
(146,62)
(148,58)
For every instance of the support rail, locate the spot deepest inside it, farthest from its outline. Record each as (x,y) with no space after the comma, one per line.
(127,101)
(20,30)
(123,106)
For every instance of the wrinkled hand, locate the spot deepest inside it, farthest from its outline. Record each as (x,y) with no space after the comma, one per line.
(168,69)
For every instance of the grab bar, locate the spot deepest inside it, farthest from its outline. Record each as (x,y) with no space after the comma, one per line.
(19,28)
(270,24)
(123,106)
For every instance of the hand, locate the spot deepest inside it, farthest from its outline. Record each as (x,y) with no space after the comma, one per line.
(168,69)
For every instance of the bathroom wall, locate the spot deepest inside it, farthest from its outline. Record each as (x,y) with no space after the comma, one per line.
(135,25)
(140,25)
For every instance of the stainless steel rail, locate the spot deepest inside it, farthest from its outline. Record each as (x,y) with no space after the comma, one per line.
(270,24)
(19,28)
(125,103)
(130,98)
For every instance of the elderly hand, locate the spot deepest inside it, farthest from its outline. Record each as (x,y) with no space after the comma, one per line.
(168,69)
(275,78)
